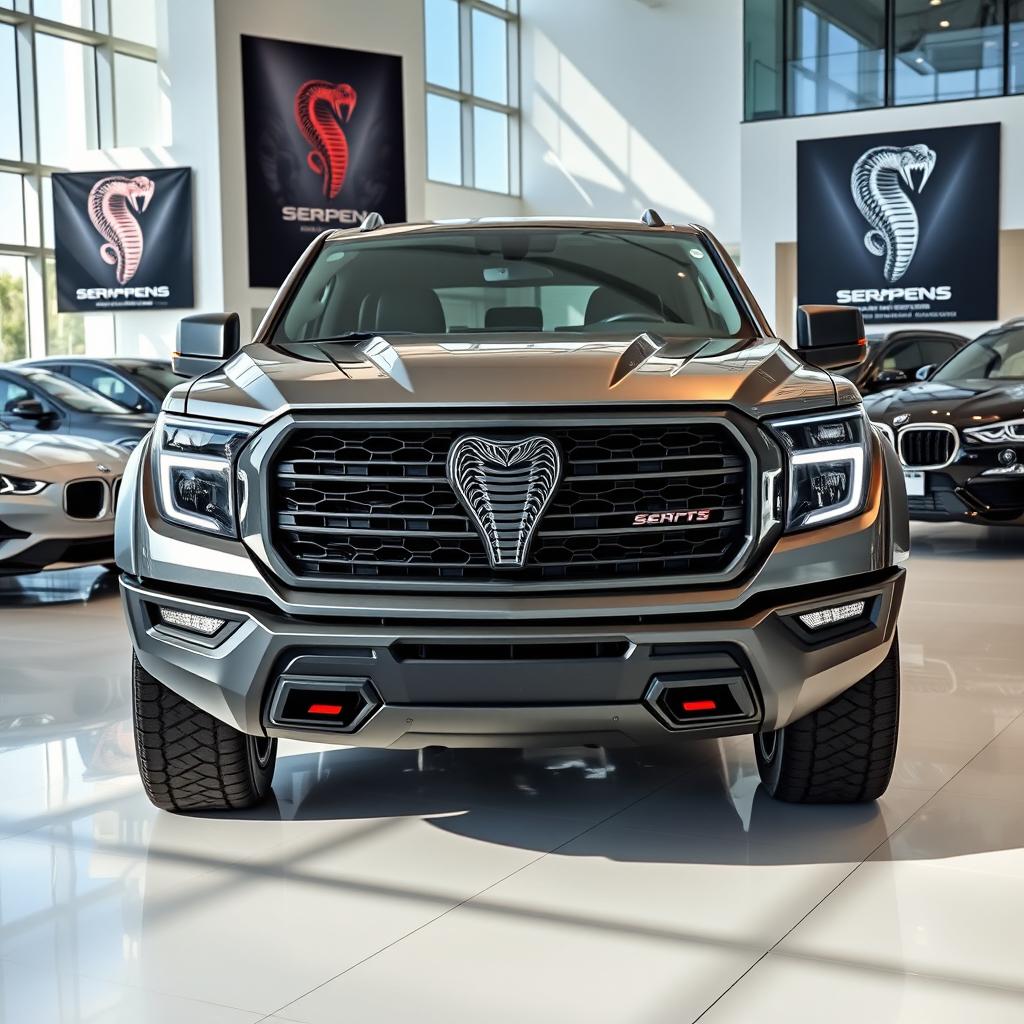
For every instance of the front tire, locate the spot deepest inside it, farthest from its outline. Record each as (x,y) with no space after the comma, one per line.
(191,761)
(844,752)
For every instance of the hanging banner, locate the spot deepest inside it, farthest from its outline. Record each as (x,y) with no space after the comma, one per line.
(123,240)
(904,225)
(324,146)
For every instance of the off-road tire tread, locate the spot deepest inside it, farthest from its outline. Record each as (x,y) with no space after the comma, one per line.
(188,760)
(844,752)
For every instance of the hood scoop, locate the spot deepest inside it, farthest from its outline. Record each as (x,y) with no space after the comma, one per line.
(647,345)
(377,351)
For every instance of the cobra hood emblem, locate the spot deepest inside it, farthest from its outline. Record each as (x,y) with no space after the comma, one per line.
(320,110)
(112,205)
(877,183)
(505,486)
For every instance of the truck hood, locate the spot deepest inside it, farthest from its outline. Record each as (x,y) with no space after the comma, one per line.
(757,375)
(50,456)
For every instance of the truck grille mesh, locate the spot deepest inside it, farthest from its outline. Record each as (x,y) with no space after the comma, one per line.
(376,504)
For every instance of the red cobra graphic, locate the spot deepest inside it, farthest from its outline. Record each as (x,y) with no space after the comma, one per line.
(111,204)
(320,109)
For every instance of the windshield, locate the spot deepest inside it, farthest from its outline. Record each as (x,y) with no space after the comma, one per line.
(160,379)
(998,355)
(505,280)
(72,395)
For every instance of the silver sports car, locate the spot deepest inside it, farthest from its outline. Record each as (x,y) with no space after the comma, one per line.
(57,497)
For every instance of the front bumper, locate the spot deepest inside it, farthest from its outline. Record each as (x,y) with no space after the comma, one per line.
(37,533)
(514,684)
(960,494)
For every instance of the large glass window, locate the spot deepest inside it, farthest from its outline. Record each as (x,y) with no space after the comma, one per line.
(75,76)
(1016,68)
(837,55)
(13,327)
(764,58)
(66,88)
(947,51)
(471,50)
(859,54)
(10,123)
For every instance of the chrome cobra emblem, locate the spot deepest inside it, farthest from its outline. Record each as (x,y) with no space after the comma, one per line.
(877,184)
(898,421)
(505,486)
(101,468)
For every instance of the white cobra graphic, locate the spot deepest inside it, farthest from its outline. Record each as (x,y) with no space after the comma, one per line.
(112,204)
(887,206)
(505,486)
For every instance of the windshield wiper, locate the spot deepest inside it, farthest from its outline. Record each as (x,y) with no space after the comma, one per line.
(344,336)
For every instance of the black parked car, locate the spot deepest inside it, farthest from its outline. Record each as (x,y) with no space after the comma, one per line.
(960,434)
(133,383)
(900,357)
(36,400)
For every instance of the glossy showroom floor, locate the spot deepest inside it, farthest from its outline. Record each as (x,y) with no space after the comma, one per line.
(643,888)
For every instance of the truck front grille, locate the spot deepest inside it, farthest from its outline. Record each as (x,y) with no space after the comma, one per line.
(376,504)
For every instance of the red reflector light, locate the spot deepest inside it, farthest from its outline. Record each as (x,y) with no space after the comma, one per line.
(699,705)
(324,709)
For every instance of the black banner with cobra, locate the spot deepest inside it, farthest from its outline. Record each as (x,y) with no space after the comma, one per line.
(904,225)
(324,146)
(123,240)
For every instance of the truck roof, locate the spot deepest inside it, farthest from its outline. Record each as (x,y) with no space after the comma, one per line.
(514,222)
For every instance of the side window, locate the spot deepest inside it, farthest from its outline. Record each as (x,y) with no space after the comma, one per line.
(935,351)
(106,383)
(903,356)
(11,394)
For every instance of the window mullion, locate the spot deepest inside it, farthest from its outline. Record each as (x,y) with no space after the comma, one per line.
(104,101)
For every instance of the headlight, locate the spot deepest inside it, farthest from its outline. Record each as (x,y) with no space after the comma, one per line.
(998,433)
(129,444)
(194,465)
(19,485)
(827,457)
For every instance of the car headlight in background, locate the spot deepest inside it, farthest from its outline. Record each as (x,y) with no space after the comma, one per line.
(19,485)
(194,462)
(827,456)
(1006,431)
(129,444)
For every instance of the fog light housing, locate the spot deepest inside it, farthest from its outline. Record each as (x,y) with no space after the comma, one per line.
(834,616)
(191,622)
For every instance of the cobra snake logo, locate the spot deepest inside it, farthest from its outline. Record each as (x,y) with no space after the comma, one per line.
(505,486)
(886,206)
(320,110)
(112,205)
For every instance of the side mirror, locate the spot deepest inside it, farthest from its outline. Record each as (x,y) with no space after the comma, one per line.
(891,377)
(925,372)
(29,409)
(831,337)
(204,342)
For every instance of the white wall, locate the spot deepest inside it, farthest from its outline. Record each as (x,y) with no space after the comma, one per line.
(628,104)
(769,179)
(382,26)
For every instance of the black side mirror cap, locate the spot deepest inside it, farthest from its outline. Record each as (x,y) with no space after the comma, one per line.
(892,377)
(831,337)
(29,409)
(204,342)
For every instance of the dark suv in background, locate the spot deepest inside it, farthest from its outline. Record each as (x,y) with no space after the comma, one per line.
(900,357)
(36,400)
(136,384)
